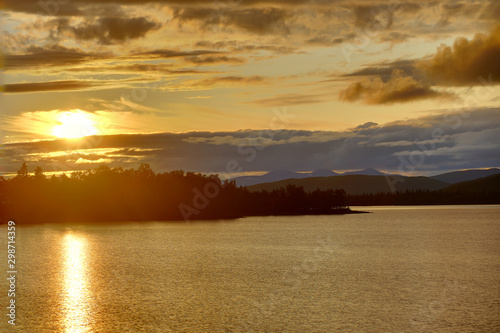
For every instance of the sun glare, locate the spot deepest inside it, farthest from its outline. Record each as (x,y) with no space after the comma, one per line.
(77,299)
(74,124)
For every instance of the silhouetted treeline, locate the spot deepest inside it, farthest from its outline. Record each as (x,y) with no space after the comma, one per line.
(426,197)
(116,194)
(294,200)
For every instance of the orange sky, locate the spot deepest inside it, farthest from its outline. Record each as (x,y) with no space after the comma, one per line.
(210,75)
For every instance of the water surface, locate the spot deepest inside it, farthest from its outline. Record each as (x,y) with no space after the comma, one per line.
(400,269)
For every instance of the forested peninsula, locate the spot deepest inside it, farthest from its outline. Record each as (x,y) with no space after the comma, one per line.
(115,194)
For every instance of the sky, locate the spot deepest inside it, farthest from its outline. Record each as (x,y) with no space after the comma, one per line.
(245,87)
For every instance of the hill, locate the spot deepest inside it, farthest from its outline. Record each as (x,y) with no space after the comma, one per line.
(366,172)
(357,184)
(278,175)
(465,175)
(269,177)
(482,191)
(485,184)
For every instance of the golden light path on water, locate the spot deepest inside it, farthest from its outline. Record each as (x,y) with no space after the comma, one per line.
(76,298)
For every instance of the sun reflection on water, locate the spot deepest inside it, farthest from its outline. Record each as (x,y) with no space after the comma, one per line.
(76,295)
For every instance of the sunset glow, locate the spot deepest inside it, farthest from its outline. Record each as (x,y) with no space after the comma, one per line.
(76,307)
(341,85)
(73,125)
(250,165)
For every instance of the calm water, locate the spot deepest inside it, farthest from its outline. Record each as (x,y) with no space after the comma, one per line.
(400,269)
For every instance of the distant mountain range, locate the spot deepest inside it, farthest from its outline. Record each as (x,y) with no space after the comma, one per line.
(465,175)
(278,175)
(363,181)
(485,184)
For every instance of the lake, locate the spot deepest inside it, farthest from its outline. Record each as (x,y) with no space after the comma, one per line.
(399,269)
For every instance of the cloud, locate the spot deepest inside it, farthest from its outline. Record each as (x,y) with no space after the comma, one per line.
(444,141)
(218,81)
(56,55)
(53,55)
(261,21)
(372,17)
(48,86)
(384,69)
(110,30)
(254,20)
(237,46)
(365,126)
(395,37)
(325,40)
(232,79)
(199,97)
(466,61)
(491,12)
(139,68)
(213,60)
(398,89)
(287,100)
(164,53)
(129,105)
(70,8)
(105,30)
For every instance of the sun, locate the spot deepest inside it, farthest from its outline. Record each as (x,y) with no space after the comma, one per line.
(74,124)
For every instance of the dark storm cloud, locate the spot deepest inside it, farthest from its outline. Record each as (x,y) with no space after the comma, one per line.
(440,142)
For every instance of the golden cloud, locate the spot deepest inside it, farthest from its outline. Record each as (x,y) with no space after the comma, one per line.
(398,89)
(466,61)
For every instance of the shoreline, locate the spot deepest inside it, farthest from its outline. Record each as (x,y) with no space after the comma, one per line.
(347,211)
